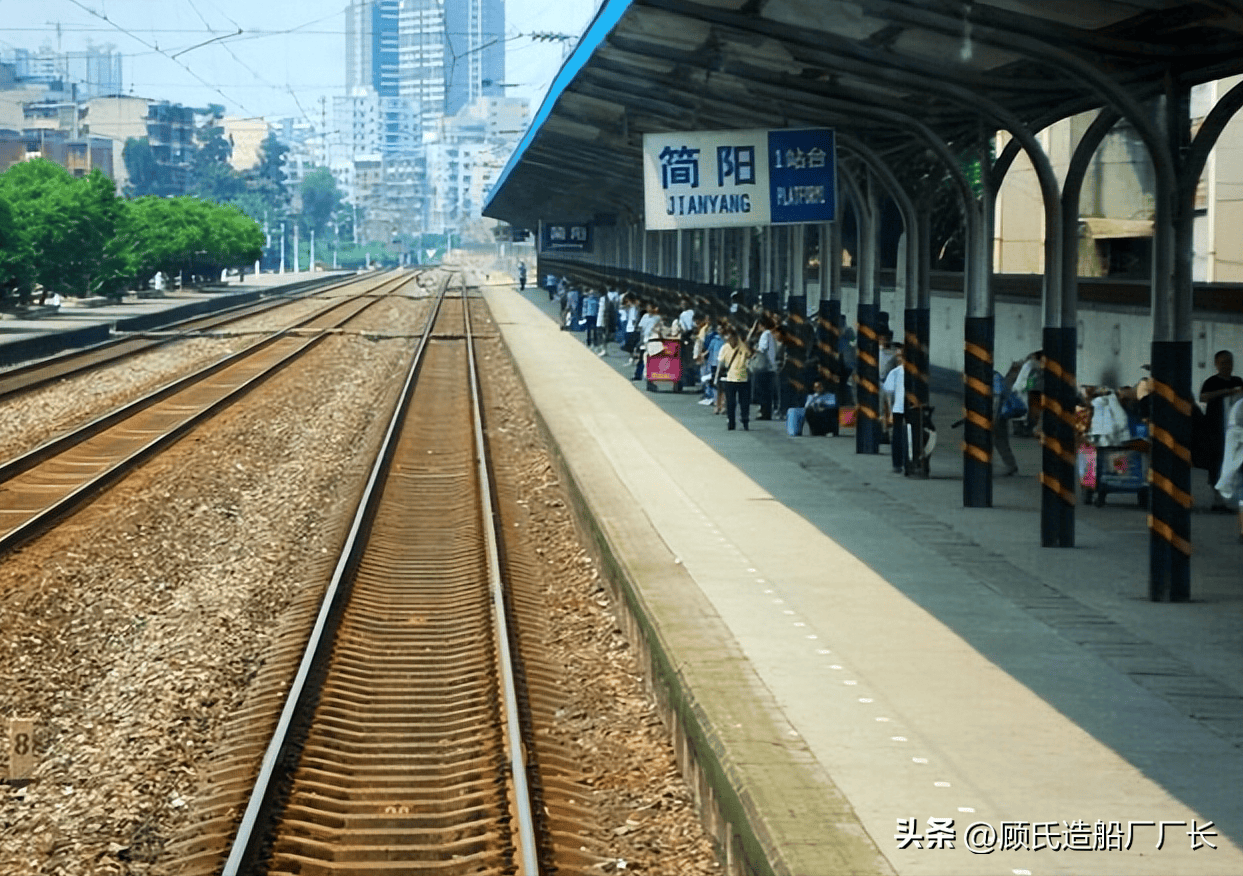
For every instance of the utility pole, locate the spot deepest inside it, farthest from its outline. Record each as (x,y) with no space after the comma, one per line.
(282,247)
(296,246)
(311,266)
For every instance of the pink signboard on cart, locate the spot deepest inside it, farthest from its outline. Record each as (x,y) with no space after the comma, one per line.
(665,365)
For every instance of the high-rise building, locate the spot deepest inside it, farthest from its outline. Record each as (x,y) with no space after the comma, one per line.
(411,65)
(371,46)
(373,76)
(474,51)
(92,72)
(421,58)
(441,54)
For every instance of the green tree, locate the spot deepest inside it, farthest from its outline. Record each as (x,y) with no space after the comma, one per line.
(213,147)
(187,235)
(320,199)
(271,166)
(266,198)
(211,176)
(65,229)
(141,167)
(13,264)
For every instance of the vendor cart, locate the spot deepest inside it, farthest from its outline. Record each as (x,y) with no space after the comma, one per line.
(1114,469)
(664,361)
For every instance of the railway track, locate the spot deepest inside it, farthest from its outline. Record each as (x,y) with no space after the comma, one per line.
(179,606)
(32,375)
(48,482)
(408,740)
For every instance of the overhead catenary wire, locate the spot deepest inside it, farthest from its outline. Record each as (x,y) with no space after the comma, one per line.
(188,40)
(156,48)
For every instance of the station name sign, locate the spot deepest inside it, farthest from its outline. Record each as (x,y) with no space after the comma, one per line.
(715,179)
(565,237)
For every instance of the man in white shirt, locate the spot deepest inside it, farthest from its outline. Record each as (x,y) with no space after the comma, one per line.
(650,317)
(895,398)
(686,344)
(686,319)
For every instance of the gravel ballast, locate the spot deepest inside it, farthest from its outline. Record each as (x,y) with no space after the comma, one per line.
(132,631)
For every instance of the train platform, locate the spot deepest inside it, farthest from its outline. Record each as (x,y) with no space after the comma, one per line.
(890,682)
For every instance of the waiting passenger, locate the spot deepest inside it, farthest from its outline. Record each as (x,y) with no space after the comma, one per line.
(632,311)
(591,311)
(734,379)
(893,398)
(1230,485)
(708,342)
(764,368)
(821,410)
(609,320)
(654,335)
(722,329)
(1218,393)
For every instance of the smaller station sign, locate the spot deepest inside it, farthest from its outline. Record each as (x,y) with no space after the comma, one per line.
(565,237)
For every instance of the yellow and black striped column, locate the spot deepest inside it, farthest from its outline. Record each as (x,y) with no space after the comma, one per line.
(828,336)
(867,407)
(977,448)
(1058,472)
(1169,474)
(917,322)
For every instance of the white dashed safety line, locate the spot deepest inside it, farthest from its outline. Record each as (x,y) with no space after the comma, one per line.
(837,667)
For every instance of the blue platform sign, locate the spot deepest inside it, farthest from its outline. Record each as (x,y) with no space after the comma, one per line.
(801,174)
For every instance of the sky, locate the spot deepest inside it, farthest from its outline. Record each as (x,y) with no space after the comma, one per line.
(286,61)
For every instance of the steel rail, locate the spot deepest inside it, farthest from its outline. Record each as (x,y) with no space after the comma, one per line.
(525,820)
(31,375)
(264,799)
(12,467)
(36,499)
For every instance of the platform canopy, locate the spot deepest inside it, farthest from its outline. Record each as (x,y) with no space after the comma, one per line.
(887,74)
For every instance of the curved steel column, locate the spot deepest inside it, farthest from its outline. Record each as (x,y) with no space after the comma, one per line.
(1169,518)
(829,317)
(916,321)
(978,335)
(867,403)
(1059,474)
